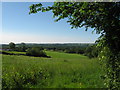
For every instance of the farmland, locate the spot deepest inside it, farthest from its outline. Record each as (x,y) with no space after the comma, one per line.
(62,70)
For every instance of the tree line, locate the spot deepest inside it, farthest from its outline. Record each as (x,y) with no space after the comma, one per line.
(89,50)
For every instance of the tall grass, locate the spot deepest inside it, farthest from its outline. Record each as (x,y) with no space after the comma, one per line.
(61,71)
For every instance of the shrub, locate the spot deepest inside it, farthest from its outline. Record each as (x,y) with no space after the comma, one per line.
(35,52)
(92,51)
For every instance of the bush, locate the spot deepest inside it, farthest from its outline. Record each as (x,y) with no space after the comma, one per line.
(92,51)
(36,52)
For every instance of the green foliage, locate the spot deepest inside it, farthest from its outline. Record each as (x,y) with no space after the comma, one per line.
(92,51)
(61,71)
(12,46)
(111,65)
(37,52)
(78,50)
(103,17)
(23,47)
(81,14)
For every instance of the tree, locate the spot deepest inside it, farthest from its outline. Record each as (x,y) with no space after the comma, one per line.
(104,18)
(12,45)
(23,47)
(92,51)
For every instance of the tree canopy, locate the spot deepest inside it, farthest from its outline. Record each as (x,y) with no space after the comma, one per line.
(12,45)
(103,17)
(23,47)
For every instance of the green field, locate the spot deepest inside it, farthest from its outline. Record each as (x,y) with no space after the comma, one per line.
(62,70)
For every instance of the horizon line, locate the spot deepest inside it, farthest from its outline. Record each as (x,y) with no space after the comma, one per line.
(52,42)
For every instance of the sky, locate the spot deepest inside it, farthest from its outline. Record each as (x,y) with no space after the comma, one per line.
(18,26)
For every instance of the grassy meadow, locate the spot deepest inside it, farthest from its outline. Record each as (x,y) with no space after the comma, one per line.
(62,70)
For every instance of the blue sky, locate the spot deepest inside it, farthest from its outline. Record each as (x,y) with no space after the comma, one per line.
(18,26)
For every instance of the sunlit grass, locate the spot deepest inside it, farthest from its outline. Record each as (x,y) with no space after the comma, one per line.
(61,71)
(15,52)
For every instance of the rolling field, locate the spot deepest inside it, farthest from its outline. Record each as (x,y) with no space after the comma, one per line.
(62,70)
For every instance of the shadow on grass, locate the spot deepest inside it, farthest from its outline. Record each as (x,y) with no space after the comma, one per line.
(7,53)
